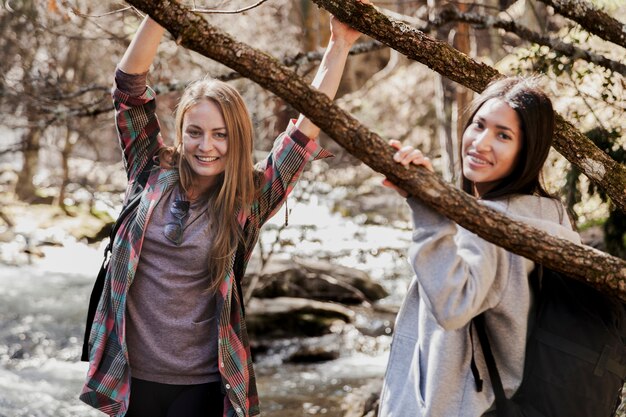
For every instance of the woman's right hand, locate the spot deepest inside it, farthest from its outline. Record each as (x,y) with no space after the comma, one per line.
(407,155)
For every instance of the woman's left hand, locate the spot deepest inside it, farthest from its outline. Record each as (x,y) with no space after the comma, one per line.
(342,31)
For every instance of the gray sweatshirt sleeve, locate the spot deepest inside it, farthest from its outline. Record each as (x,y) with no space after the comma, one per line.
(459,274)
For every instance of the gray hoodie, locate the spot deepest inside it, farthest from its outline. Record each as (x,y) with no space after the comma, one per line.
(458,276)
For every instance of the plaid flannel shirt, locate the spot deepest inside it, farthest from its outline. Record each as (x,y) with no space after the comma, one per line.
(107,387)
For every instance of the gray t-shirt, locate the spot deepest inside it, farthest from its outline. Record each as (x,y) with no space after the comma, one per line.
(171,321)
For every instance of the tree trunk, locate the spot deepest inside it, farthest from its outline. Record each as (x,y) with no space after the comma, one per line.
(591,19)
(26,15)
(605,272)
(25,188)
(445,131)
(66,152)
(462,42)
(443,109)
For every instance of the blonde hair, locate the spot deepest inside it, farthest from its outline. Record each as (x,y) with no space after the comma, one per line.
(234,188)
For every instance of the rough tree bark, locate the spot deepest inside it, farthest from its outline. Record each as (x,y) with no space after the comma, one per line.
(441,57)
(591,19)
(605,272)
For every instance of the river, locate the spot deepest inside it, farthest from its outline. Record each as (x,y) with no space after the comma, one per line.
(43,305)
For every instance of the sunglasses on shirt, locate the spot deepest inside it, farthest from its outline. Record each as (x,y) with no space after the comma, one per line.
(173,231)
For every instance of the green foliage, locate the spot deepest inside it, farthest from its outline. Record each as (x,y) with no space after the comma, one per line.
(591,223)
(615,225)
(607,6)
(554,64)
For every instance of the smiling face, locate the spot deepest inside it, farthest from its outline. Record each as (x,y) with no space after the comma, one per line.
(491,144)
(205,143)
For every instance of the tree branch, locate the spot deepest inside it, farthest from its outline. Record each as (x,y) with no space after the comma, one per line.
(11,149)
(605,272)
(567,49)
(290,61)
(591,19)
(79,14)
(447,61)
(216,11)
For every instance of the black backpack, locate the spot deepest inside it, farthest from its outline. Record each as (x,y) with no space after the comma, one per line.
(575,355)
(96,292)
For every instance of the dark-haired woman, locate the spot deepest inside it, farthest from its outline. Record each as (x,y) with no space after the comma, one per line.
(459,275)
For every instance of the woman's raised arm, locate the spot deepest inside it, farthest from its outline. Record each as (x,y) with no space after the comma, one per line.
(142,50)
(331,69)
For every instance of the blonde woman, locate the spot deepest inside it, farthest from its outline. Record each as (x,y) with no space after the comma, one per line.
(169,336)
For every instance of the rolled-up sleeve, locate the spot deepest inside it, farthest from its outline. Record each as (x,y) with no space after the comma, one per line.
(281,169)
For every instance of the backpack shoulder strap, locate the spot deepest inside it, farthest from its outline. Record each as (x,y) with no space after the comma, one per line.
(238,270)
(479,324)
(494,375)
(96,292)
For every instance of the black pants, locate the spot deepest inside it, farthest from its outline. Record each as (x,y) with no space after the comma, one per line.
(152,399)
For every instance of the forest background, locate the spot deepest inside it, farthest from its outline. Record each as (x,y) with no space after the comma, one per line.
(61,178)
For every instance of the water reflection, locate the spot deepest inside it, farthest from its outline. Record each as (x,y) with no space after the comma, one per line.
(297,390)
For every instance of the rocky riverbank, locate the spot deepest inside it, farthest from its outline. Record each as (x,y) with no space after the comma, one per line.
(322,298)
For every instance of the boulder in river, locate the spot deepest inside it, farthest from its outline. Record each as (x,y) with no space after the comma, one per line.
(289,317)
(316,349)
(318,280)
(354,277)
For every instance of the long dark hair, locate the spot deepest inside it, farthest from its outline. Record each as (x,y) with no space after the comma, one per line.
(536,117)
